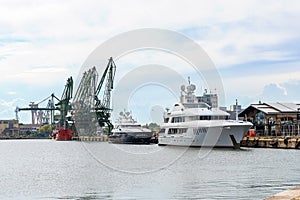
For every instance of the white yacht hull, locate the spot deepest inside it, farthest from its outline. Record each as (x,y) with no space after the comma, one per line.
(228,134)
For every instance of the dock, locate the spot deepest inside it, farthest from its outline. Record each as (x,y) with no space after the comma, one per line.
(291,194)
(271,142)
(100,138)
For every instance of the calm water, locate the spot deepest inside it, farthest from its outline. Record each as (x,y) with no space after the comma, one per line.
(45,169)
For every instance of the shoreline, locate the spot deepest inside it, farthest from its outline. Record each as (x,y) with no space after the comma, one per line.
(24,138)
(248,142)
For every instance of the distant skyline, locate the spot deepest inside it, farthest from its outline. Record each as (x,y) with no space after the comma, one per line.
(253,44)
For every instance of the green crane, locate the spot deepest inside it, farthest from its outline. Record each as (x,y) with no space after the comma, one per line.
(102,108)
(64,105)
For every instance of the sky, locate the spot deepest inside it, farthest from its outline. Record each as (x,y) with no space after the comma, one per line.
(254,45)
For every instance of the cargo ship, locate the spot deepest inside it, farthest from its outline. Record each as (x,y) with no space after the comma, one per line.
(62,134)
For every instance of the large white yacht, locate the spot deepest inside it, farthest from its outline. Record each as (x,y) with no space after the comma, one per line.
(195,123)
(128,131)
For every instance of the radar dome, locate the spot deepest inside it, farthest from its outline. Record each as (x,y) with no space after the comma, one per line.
(191,88)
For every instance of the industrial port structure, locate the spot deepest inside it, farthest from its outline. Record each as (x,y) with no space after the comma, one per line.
(90,108)
(90,111)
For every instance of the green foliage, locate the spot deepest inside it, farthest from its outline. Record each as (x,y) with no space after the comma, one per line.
(154,127)
(46,129)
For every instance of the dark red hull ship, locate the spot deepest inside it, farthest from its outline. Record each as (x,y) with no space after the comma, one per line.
(62,135)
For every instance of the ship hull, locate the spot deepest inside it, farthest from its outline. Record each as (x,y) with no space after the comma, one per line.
(225,136)
(63,135)
(130,138)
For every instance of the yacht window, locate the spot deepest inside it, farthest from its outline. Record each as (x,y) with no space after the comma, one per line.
(177,130)
(205,117)
(129,126)
(223,117)
(177,119)
(166,120)
(214,117)
(195,118)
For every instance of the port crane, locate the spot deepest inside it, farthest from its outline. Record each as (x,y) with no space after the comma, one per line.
(84,102)
(102,107)
(40,115)
(91,102)
(63,105)
(64,130)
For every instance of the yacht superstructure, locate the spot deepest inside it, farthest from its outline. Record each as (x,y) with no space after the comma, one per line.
(128,131)
(195,123)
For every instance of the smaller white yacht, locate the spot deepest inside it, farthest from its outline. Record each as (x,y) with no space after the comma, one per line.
(195,123)
(128,131)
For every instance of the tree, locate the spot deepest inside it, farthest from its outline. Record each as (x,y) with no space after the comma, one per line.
(46,128)
(154,127)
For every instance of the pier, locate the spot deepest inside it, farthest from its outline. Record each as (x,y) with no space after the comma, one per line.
(101,138)
(271,142)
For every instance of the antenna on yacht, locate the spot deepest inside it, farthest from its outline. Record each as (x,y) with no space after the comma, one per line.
(236,110)
(189,80)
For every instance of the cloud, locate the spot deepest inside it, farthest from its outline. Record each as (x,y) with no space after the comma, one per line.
(284,92)
(231,32)
(242,45)
(273,92)
(251,82)
(11,92)
(261,81)
(8,107)
(283,89)
(42,43)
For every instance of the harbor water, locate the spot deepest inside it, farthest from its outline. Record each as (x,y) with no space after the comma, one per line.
(46,169)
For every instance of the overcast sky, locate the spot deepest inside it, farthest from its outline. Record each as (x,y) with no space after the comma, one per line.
(253,44)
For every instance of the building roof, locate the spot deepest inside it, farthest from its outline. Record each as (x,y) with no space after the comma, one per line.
(273,108)
(285,107)
(264,108)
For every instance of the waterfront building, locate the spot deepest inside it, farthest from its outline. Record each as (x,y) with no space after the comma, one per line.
(274,119)
(209,98)
(235,107)
(233,110)
(27,129)
(12,128)
(9,128)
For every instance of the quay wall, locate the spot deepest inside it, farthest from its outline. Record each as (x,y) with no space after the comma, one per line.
(101,138)
(271,142)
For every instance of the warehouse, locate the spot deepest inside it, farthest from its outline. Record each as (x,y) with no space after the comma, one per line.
(273,119)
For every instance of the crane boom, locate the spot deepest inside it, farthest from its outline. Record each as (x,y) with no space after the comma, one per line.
(84,103)
(63,130)
(64,103)
(34,107)
(102,108)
